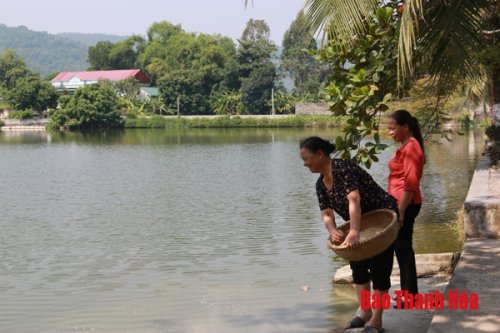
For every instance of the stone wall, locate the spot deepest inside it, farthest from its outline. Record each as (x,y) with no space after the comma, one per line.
(312,109)
(482,205)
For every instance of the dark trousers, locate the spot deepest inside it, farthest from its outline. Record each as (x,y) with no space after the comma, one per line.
(404,250)
(376,269)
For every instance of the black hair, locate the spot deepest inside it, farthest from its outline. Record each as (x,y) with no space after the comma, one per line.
(315,143)
(403,117)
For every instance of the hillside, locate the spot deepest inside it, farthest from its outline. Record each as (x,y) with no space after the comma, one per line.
(43,52)
(90,39)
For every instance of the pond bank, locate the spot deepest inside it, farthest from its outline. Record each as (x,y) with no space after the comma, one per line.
(477,270)
(241,121)
(24,125)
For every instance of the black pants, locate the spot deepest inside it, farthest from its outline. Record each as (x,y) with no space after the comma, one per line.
(404,250)
(376,269)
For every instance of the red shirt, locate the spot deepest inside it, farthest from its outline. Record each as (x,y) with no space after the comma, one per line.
(406,168)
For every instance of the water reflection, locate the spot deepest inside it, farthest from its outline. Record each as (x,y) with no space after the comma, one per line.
(183,230)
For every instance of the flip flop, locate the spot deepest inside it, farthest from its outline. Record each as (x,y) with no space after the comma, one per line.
(355,322)
(373,329)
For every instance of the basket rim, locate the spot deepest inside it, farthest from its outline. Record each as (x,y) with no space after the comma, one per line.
(378,235)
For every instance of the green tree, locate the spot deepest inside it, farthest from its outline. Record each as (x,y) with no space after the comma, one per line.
(228,102)
(257,31)
(255,47)
(162,32)
(441,38)
(156,106)
(490,55)
(297,61)
(257,71)
(32,93)
(91,107)
(284,102)
(124,54)
(99,56)
(189,66)
(12,68)
(363,79)
(186,65)
(257,88)
(158,56)
(128,88)
(184,84)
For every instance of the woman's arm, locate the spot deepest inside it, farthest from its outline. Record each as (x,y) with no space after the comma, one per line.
(352,238)
(403,204)
(413,164)
(336,235)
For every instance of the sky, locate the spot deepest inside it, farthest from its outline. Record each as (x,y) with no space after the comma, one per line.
(126,17)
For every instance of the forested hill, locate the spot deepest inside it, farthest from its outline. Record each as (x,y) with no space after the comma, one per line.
(46,53)
(91,39)
(43,52)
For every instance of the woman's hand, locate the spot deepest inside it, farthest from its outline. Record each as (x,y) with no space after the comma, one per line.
(352,239)
(337,236)
(401,219)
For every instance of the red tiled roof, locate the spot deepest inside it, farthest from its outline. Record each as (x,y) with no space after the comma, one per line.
(113,75)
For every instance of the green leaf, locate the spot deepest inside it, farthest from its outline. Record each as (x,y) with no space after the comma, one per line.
(382,107)
(339,143)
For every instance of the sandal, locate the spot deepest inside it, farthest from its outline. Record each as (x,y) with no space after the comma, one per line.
(373,329)
(355,322)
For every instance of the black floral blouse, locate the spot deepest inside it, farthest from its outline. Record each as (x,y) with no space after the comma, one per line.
(347,177)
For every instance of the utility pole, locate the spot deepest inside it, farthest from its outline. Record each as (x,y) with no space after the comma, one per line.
(273,111)
(178,106)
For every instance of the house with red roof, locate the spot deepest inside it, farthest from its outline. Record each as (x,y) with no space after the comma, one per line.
(71,81)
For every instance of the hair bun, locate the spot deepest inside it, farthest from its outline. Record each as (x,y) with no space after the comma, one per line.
(315,143)
(332,147)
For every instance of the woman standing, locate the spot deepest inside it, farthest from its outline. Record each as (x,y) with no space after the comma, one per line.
(350,191)
(406,168)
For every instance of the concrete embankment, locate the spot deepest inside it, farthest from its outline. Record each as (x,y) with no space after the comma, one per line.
(478,270)
(482,205)
(24,125)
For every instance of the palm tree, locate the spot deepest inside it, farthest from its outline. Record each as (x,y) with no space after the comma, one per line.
(439,37)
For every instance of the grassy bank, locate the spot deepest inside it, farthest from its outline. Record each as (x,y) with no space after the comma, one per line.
(232,122)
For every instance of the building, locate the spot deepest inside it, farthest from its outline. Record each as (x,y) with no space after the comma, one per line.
(312,109)
(70,81)
(146,93)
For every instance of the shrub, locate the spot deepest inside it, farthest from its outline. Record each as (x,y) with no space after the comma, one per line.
(91,107)
(23,114)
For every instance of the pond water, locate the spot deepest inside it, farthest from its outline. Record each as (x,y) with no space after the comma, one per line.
(184,231)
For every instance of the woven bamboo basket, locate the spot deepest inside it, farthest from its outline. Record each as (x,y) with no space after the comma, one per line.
(378,230)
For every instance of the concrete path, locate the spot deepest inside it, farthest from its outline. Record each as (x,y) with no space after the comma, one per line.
(478,271)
